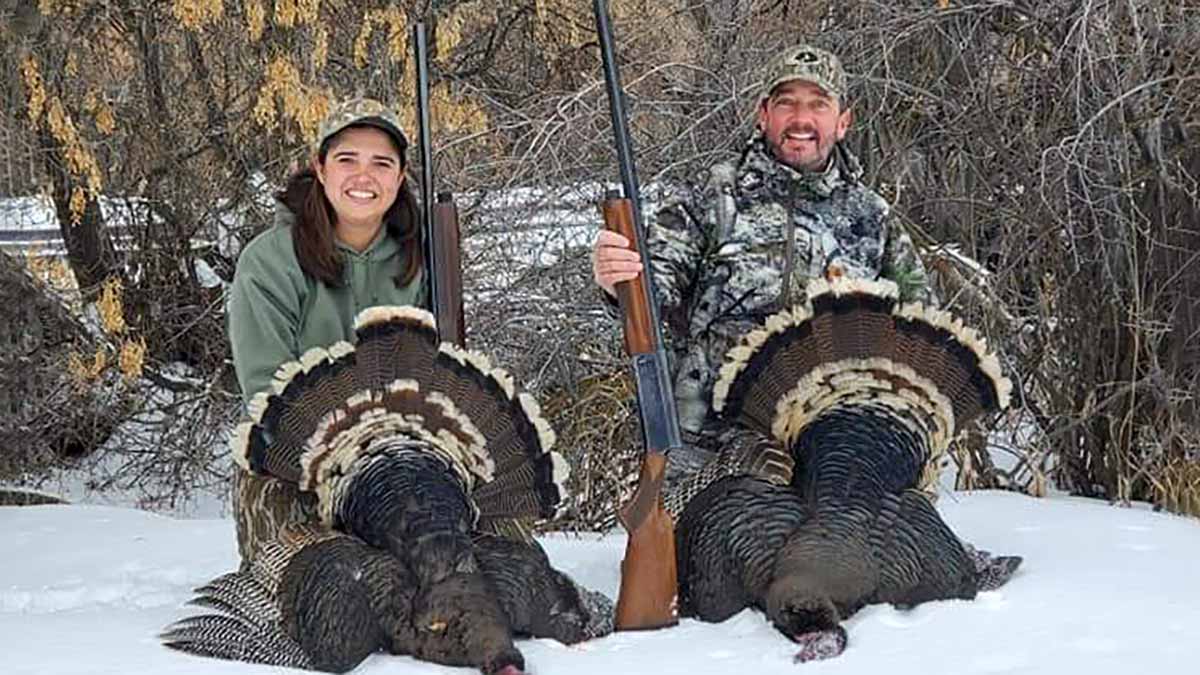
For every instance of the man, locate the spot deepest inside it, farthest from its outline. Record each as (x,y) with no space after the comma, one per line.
(741,246)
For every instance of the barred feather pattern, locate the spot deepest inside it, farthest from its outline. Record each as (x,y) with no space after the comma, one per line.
(852,343)
(240,595)
(411,448)
(394,343)
(744,452)
(284,412)
(263,506)
(327,604)
(401,411)
(864,393)
(226,637)
(399,384)
(320,600)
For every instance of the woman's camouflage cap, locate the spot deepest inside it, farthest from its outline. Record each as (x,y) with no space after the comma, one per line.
(360,112)
(805,62)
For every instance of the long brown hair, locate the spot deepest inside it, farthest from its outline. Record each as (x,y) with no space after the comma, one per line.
(313,236)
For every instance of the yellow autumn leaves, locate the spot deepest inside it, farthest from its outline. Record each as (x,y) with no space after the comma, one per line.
(195,14)
(392,20)
(130,351)
(49,111)
(286,97)
(284,93)
(296,90)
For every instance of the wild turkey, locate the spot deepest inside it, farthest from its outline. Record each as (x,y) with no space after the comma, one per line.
(865,393)
(420,453)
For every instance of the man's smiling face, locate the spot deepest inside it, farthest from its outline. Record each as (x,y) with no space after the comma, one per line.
(801,123)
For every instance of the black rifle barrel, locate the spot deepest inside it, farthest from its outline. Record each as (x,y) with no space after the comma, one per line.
(616,108)
(425,140)
(660,422)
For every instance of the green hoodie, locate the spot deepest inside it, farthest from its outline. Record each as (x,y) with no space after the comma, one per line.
(277,312)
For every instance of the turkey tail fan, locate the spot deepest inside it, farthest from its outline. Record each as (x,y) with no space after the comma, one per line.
(529,478)
(398,385)
(401,411)
(284,416)
(391,341)
(853,343)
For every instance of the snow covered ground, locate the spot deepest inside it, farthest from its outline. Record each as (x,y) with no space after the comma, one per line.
(85,589)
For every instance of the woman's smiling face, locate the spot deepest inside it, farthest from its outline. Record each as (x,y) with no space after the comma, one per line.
(361,174)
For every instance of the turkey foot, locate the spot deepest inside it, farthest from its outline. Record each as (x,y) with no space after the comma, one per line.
(820,645)
(992,571)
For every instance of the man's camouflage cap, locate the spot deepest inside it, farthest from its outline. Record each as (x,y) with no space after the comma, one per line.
(358,112)
(808,63)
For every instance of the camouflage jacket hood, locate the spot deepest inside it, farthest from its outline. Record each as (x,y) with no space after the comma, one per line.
(740,243)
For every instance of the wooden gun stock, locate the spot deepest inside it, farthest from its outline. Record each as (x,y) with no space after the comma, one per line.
(648,598)
(648,595)
(447,256)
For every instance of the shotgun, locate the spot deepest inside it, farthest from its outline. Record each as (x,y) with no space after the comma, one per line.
(440,217)
(648,595)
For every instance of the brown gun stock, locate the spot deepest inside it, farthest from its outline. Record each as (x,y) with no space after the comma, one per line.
(648,595)
(448,303)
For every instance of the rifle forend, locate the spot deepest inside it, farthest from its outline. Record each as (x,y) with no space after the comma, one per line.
(655,401)
(447,267)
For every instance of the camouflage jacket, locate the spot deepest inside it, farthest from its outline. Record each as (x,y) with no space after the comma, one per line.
(741,243)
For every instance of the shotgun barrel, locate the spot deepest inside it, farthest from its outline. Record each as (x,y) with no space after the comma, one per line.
(439,215)
(648,593)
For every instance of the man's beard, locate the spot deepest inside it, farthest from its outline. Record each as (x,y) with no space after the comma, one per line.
(776,146)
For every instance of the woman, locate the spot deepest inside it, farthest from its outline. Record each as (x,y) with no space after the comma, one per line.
(347,236)
(413,577)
